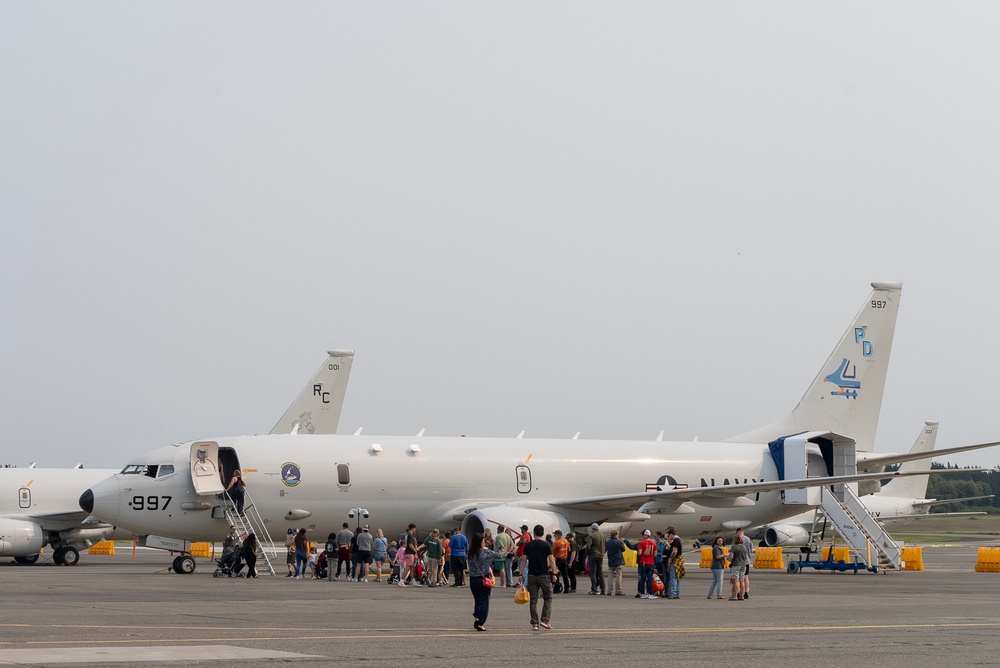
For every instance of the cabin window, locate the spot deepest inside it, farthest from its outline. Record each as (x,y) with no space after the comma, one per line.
(141,469)
(165,470)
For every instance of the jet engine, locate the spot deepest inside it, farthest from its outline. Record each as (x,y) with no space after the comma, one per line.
(19,538)
(513,517)
(786,535)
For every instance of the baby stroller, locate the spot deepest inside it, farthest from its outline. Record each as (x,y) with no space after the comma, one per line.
(321,566)
(228,564)
(393,575)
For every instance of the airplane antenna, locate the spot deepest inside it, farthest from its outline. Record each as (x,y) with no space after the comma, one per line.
(695,440)
(421,432)
(521,435)
(79,466)
(295,429)
(576,436)
(660,437)
(358,432)
(31,465)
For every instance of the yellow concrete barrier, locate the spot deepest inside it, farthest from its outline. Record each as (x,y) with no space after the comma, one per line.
(201,549)
(913,559)
(840,554)
(769,558)
(706,557)
(988,560)
(106,547)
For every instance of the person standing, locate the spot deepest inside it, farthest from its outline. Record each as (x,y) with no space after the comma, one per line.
(595,559)
(433,550)
(411,553)
(674,551)
(344,538)
(718,567)
(480,561)
(250,554)
(560,550)
(538,562)
(236,488)
(365,545)
(737,564)
(231,541)
(574,553)
(646,554)
(290,552)
(331,550)
(748,544)
(504,543)
(615,549)
(301,554)
(459,547)
(381,554)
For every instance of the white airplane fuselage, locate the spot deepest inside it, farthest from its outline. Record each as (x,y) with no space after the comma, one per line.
(38,503)
(436,482)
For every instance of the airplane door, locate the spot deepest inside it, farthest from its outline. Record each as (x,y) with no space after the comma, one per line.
(205,468)
(523,479)
(24,497)
(343,476)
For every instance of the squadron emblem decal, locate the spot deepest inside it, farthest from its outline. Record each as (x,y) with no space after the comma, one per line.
(290,474)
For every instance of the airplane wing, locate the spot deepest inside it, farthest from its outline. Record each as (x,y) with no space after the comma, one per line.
(60,521)
(868,461)
(940,502)
(729,494)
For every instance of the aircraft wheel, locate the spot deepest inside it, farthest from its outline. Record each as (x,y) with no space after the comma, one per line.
(793,567)
(184,565)
(26,560)
(70,556)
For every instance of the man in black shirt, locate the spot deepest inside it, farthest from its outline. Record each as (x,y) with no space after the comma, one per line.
(541,571)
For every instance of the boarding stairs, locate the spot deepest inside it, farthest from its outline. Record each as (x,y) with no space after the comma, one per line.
(251,521)
(856,525)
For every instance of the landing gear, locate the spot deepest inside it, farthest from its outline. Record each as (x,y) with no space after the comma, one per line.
(26,560)
(66,556)
(184,565)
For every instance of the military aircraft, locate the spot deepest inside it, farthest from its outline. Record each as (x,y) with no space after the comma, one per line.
(40,507)
(701,488)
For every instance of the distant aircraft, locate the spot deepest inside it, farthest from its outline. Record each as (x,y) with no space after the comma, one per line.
(701,488)
(902,500)
(40,507)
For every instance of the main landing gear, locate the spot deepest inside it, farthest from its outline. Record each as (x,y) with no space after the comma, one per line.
(66,556)
(26,560)
(184,564)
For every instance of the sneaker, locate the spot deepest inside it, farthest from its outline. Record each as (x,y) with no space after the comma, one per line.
(619,593)
(545,625)
(640,596)
(592,593)
(746,596)
(417,584)
(401,583)
(534,626)
(336,578)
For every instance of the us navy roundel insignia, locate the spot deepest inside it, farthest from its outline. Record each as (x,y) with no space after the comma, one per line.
(290,474)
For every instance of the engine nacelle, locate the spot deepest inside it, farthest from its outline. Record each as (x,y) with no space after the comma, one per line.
(20,538)
(513,517)
(786,535)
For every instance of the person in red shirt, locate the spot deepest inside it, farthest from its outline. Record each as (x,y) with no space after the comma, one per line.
(646,557)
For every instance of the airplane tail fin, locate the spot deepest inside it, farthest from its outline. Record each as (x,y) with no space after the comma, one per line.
(914,486)
(846,396)
(317,408)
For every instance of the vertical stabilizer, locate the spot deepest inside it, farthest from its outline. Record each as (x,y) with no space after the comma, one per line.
(914,487)
(317,408)
(846,396)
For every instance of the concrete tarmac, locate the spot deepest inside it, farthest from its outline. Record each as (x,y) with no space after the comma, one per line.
(120,611)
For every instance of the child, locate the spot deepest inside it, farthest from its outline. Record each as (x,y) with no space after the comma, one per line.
(312,562)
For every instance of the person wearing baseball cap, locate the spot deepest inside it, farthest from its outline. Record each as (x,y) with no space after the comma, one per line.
(646,557)
(595,559)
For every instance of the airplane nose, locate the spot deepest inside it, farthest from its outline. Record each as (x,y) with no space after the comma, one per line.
(87,501)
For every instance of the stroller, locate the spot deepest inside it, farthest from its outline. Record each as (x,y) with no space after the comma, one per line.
(322,564)
(393,574)
(229,564)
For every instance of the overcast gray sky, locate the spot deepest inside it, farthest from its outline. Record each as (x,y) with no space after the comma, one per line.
(613,218)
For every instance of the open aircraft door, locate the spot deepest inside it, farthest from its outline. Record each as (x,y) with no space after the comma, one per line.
(205,467)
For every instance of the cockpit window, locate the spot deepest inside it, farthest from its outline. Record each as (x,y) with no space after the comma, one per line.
(141,469)
(165,470)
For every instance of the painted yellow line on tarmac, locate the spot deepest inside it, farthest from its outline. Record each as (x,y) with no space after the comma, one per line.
(383,634)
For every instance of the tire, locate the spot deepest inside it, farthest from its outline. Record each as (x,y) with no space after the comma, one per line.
(185,565)
(25,561)
(57,556)
(793,567)
(70,556)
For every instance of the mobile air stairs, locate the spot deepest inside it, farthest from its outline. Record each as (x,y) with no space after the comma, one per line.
(251,522)
(839,506)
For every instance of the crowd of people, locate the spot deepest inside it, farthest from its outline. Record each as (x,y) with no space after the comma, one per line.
(544,564)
